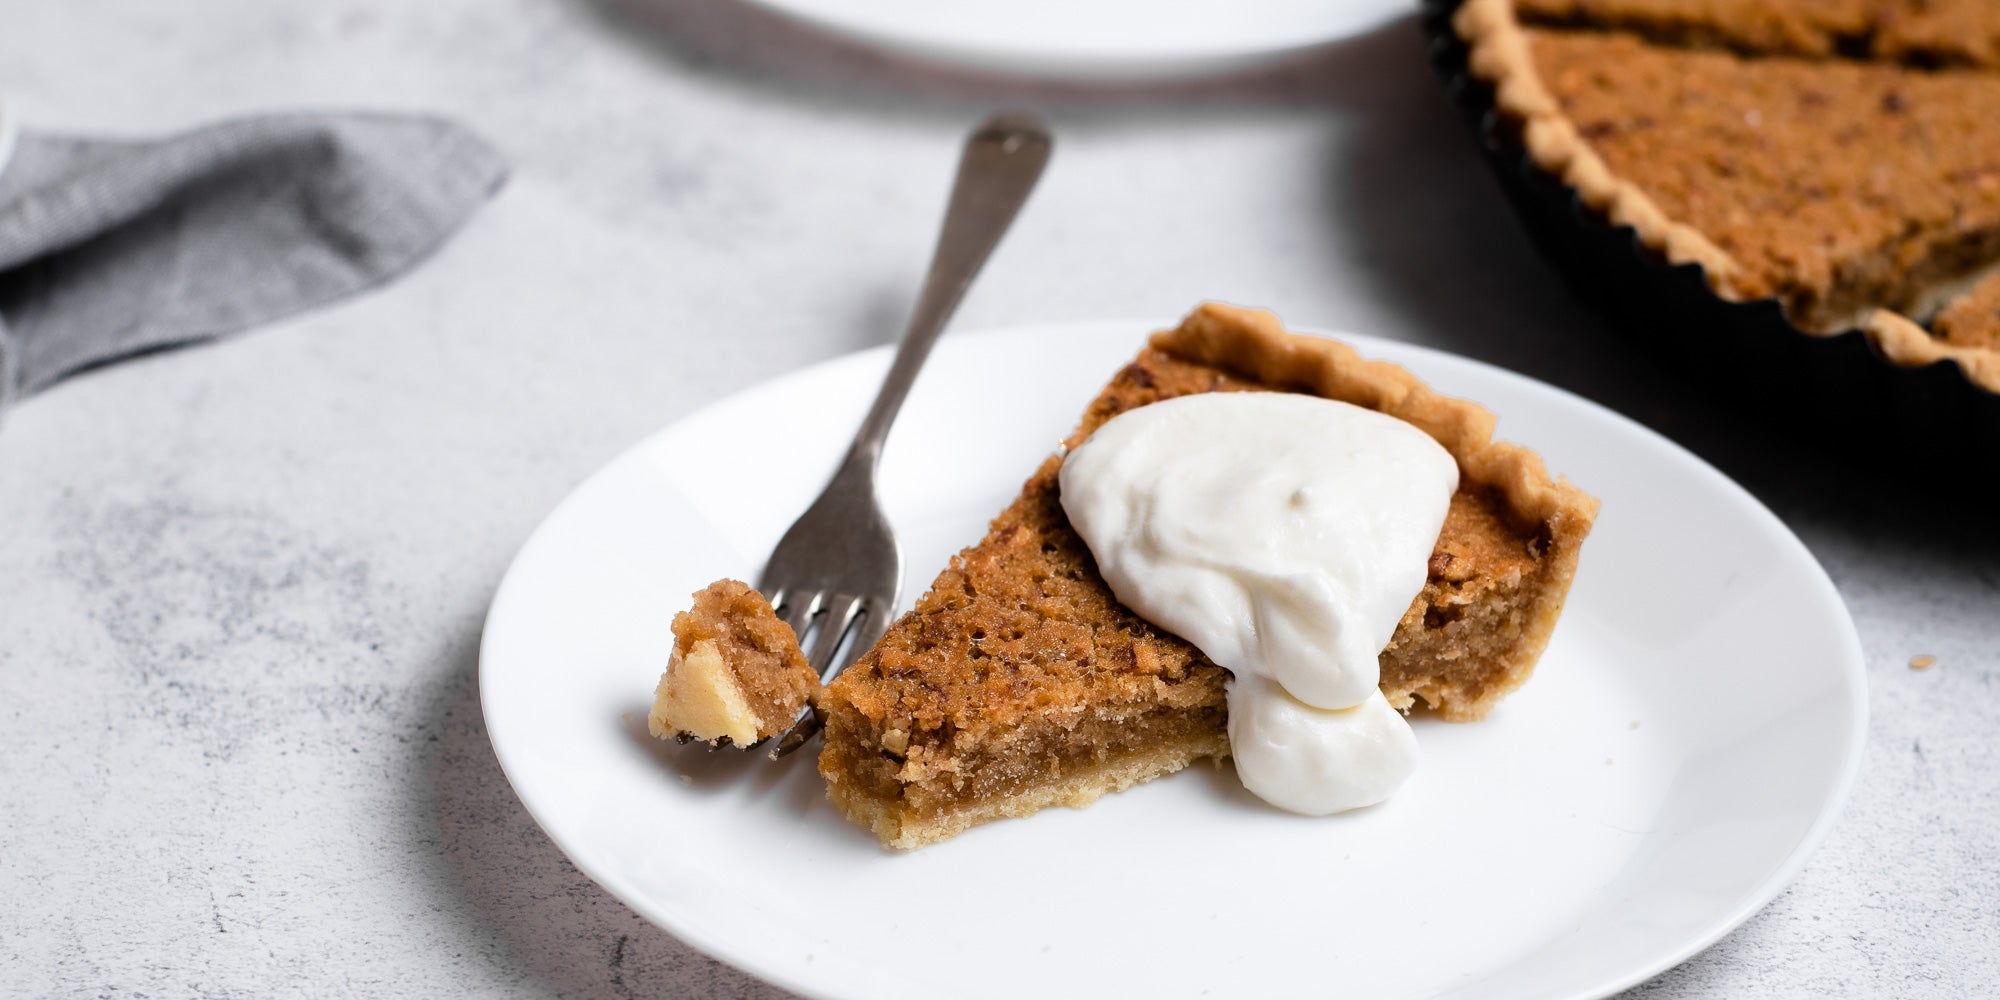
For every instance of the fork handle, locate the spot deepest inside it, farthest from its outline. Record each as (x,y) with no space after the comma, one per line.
(1002,160)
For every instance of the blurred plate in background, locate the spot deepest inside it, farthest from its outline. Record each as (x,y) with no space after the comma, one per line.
(1096,38)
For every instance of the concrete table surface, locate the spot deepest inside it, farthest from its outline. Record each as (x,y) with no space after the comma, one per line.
(241,585)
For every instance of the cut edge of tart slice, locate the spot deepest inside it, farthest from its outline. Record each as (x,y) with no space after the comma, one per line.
(1499,54)
(1019,682)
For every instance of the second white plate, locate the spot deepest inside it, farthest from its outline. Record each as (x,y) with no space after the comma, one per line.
(1097,38)
(1687,739)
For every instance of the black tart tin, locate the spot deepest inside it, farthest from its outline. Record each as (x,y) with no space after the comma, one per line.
(1837,392)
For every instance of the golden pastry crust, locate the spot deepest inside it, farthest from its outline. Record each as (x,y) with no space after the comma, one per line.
(1499,54)
(1905,343)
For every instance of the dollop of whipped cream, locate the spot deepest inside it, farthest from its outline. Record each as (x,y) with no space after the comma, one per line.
(1284,535)
(1317,761)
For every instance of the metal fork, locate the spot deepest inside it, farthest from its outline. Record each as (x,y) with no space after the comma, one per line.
(839,569)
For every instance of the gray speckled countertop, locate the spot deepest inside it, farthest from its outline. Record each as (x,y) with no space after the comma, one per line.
(241,585)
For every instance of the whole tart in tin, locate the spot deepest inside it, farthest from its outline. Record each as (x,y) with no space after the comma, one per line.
(1841,158)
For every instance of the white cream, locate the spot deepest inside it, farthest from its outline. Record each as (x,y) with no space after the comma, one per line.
(1317,760)
(1284,535)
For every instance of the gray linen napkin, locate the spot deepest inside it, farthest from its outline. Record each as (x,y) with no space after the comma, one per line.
(113,248)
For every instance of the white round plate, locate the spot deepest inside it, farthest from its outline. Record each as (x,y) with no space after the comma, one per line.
(1096,38)
(1689,736)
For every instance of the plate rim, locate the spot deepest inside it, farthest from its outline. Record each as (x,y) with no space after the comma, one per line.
(1852,673)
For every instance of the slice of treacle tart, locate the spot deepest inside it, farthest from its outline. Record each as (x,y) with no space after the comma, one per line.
(1019,682)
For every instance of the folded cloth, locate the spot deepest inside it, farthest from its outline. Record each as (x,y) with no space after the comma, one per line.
(112,248)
